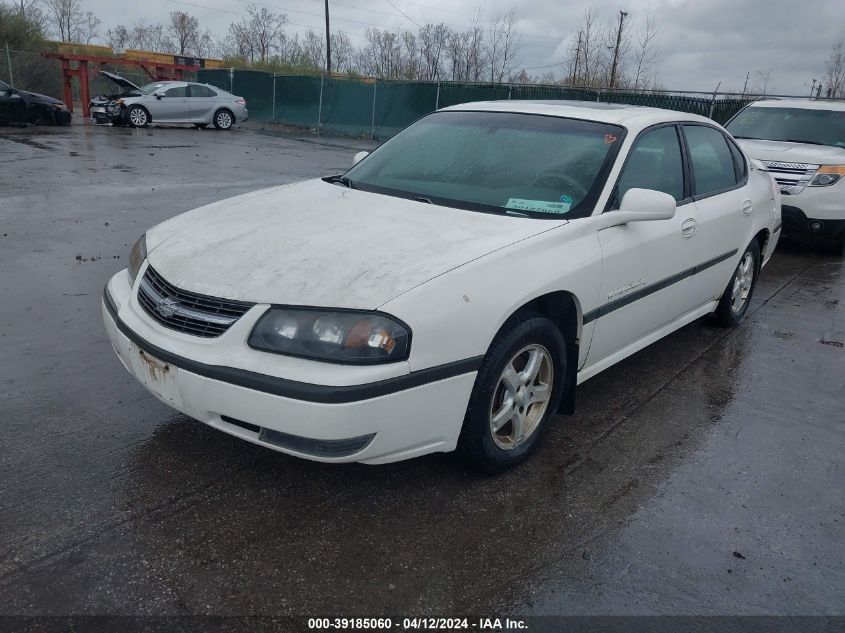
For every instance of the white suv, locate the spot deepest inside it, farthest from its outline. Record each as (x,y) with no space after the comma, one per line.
(802,143)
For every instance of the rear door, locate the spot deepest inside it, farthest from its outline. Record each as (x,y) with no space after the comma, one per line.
(645,264)
(173,105)
(724,208)
(202,101)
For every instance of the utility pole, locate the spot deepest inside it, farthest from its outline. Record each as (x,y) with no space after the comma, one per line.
(622,16)
(9,62)
(577,58)
(745,87)
(813,88)
(328,43)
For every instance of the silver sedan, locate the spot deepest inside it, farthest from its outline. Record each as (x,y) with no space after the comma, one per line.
(183,102)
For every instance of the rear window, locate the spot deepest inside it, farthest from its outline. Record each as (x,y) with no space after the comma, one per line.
(202,91)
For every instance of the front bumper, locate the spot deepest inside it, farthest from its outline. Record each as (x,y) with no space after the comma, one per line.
(372,423)
(797,222)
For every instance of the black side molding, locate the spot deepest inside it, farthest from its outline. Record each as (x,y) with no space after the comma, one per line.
(323,394)
(621,302)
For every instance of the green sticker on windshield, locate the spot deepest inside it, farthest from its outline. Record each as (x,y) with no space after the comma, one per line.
(540,206)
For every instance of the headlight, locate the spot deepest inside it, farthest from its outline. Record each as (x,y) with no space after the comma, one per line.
(828,175)
(332,335)
(137,256)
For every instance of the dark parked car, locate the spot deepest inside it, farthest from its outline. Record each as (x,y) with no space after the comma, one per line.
(20,106)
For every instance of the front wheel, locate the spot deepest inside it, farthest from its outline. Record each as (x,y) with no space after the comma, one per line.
(137,116)
(737,296)
(223,119)
(516,392)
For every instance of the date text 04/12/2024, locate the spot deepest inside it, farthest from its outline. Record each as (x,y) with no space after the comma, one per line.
(414,624)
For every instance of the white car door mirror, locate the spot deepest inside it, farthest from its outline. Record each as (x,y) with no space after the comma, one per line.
(639,205)
(359,157)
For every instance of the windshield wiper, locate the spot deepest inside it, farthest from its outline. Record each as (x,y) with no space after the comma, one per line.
(422,199)
(341,180)
(748,138)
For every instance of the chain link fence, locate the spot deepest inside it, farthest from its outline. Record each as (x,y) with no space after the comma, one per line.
(378,108)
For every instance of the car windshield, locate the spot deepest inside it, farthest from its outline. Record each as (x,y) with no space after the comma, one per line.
(523,164)
(798,125)
(150,88)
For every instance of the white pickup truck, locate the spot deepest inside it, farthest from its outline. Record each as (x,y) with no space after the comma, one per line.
(802,143)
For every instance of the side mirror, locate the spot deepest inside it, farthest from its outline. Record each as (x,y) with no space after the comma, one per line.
(640,205)
(359,157)
(158,96)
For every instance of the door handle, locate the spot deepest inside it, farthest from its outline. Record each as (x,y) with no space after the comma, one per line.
(689,227)
(747,207)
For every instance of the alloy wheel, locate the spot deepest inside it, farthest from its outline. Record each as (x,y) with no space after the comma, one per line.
(743,280)
(224,120)
(521,396)
(138,117)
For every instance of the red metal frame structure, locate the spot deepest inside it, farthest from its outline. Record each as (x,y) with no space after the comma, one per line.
(156,70)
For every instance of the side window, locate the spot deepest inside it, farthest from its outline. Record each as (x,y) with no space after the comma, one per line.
(202,91)
(712,161)
(654,163)
(179,91)
(739,162)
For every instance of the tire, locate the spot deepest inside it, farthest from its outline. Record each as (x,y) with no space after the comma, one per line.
(224,119)
(528,338)
(737,296)
(137,116)
(39,117)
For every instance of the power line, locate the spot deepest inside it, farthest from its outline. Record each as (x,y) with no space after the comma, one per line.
(403,13)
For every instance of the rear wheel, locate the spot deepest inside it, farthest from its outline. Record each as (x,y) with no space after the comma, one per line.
(137,116)
(223,119)
(516,392)
(737,296)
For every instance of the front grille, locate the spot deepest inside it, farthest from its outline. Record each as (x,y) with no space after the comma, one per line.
(791,177)
(185,311)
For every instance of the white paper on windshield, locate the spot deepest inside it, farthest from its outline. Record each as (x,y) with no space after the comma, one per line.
(540,206)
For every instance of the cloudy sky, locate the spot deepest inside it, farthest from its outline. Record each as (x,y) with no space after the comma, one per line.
(701,42)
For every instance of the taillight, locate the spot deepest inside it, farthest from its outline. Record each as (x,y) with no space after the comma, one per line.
(241,101)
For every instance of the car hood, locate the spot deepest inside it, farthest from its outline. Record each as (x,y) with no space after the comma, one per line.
(793,152)
(320,244)
(35,96)
(120,81)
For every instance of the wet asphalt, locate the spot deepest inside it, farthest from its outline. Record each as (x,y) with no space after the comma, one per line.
(704,475)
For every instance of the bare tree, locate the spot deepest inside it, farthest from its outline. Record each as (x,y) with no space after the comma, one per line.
(265,28)
(65,17)
(184,29)
(343,53)
(503,44)
(118,37)
(835,73)
(645,54)
(89,28)
(433,39)
(589,53)
(762,85)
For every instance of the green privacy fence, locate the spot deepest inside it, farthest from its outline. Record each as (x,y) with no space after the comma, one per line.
(379,108)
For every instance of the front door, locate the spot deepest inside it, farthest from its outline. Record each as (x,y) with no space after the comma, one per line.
(645,283)
(173,105)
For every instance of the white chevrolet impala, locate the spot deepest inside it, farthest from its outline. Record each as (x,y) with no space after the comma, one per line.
(451,289)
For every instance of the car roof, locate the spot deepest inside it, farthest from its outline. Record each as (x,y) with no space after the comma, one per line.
(631,116)
(805,104)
